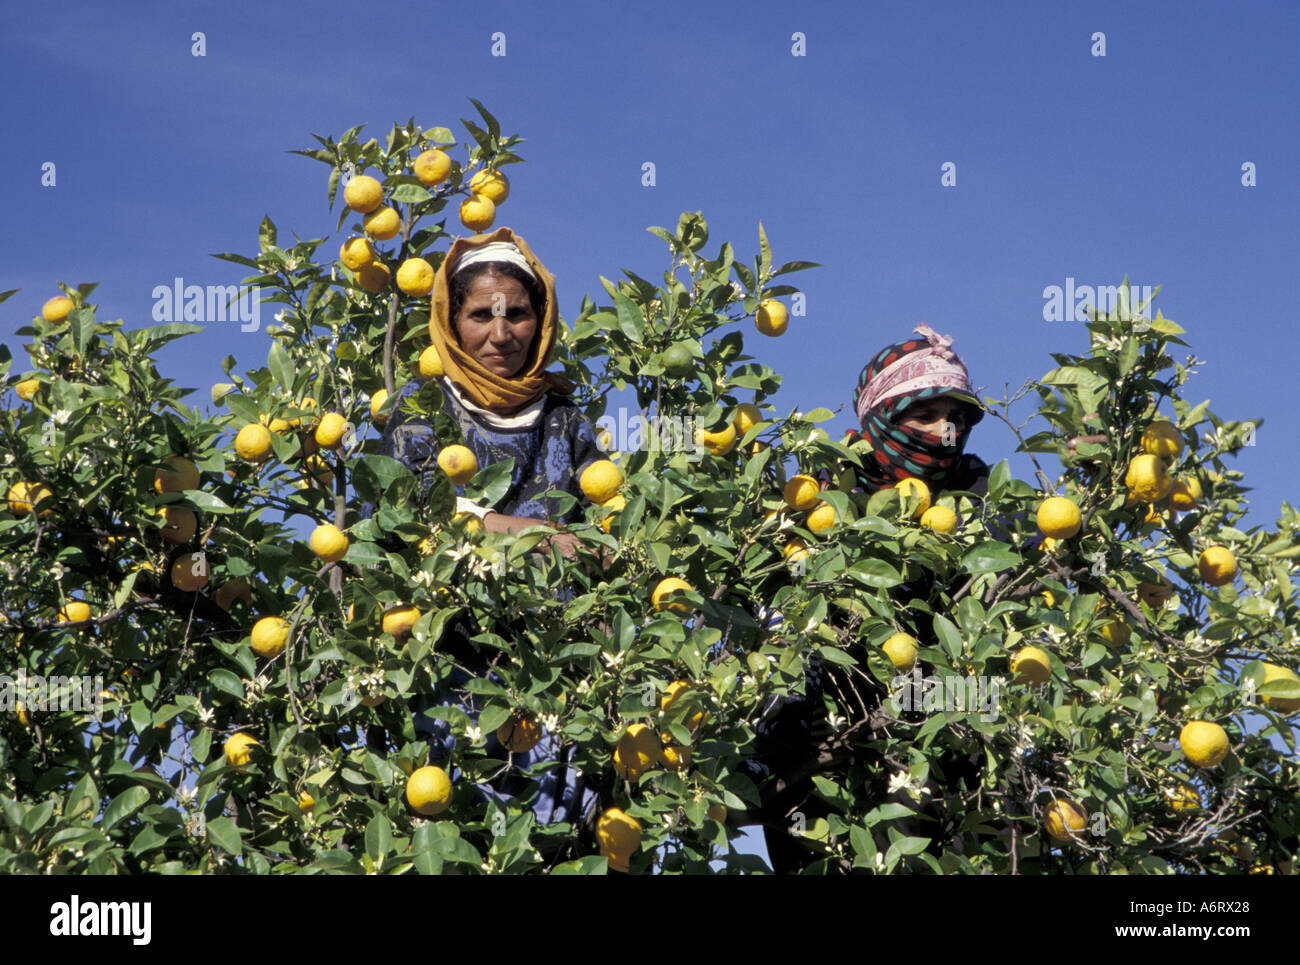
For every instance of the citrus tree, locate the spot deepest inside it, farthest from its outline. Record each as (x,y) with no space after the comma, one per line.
(268,598)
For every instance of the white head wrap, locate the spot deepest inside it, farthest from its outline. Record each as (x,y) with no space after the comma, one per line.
(494,251)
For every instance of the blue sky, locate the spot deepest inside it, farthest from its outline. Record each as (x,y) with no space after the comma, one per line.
(1068,165)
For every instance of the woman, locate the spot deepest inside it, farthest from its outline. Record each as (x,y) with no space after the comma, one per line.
(916,408)
(494,322)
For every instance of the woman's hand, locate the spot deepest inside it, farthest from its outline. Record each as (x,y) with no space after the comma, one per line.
(566,543)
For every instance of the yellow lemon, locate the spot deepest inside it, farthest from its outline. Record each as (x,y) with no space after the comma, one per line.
(399,620)
(822,518)
(1064,817)
(941,519)
(329,543)
(239,749)
(24,496)
(611,506)
(27,389)
(1116,633)
(917,487)
(520,734)
(1217,565)
(1058,517)
(330,429)
(382,224)
(459,463)
(430,362)
(672,693)
(253,442)
(176,474)
(601,481)
(428,790)
(415,277)
(356,253)
(1049,544)
(270,636)
(432,167)
(233,590)
(771,318)
(1147,479)
(1203,743)
(674,757)
(363,194)
(374,277)
(637,751)
(377,403)
(1283,705)
(718,443)
(718,812)
(801,493)
(619,835)
(901,649)
(492,185)
(189,572)
(795,550)
(1162,439)
(747,416)
(671,584)
(179,524)
(57,309)
(1186,494)
(1184,798)
(1031,665)
(478,213)
(305,801)
(75,611)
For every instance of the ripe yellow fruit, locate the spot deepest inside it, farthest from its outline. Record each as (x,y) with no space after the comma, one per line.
(1058,517)
(330,430)
(377,403)
(233,590)
(329,543)
(27,389)
(75,611)
(822,518)
(253,442)
(1186,494)
(179,524)
(718,812)
(1147,479)
(478,213)
(671,584)
(747,416)
(23,497)
(1032,666)
(316,469)
(57,309)
(1162,439)
(428,790)
(795,550)
(1064,817)
(611,506)
(363,194)
(801,493)
(719,443)
(638,751)
(619,835)
(430,362)
(415,277)
(601,481)
(382,223)
(913,486)
(189,572)
(432,167)
(270,636)
(771,318)
(941,519)
(520,734)
(673,756)
(1204,743)
(374,277)
(1051,598)
(1049,544)
(492,185)
(305,801)
(239,749)
(399,620)
(1217,565)
(901,649)
(176,474)
(672,693)
(356,253)
(1116,633)
(1283,705)
(459,463)
(1183,798)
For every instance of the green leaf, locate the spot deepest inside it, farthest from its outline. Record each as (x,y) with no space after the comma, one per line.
(125,804)
(379,837)
(226,681)
(989,556)
(876,573)
(277,360)
(224,833)
(630,320)
(266,235)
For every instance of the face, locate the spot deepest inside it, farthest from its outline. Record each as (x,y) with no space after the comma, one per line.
(939,417)
(496,324)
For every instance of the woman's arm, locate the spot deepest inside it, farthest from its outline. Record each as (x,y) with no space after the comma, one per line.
(495,522)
